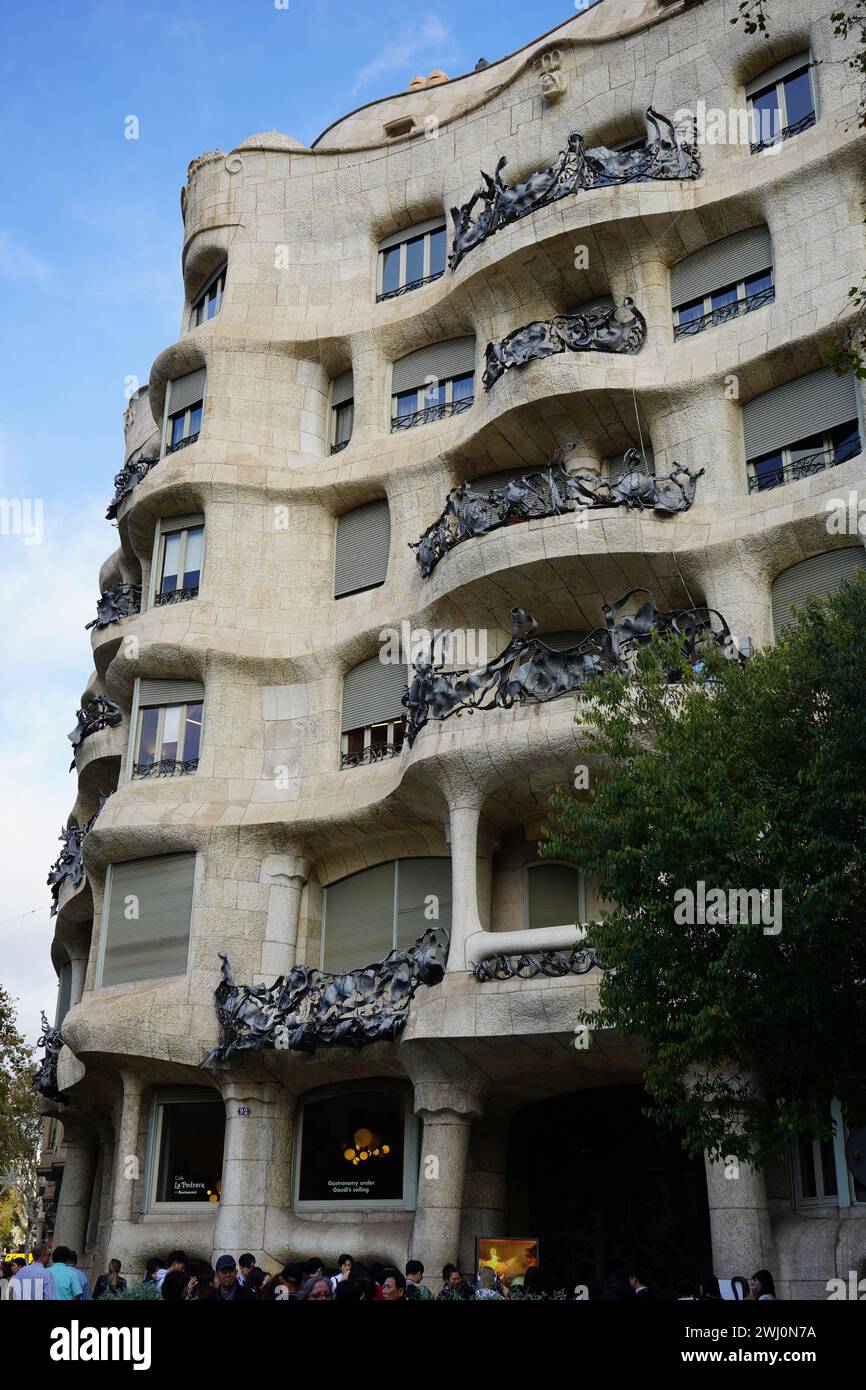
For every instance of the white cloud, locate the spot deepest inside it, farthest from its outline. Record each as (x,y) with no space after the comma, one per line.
(431,45)
(17,263)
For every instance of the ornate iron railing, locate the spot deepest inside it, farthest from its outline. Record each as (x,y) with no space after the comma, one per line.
(667,156)
(69,863)
(118,601)
(412,285)
(725,312)
(98,713)
(552,963)
(796,129)
(528,670)
(802,468)
(338,448)
(176,596)
(615,328)
(370,755)
(45,1078)
(310,1008)
(128,478)
(165,767)
(430,413)
(182,443)
(551,492)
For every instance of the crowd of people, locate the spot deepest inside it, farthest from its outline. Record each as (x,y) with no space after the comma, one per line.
(54,1274)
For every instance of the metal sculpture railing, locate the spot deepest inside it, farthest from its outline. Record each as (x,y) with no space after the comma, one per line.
(309,1008)
(431,413)
(667,156)
(69,863)
(165,767)
(612,328)
(551,492)
(369,755)
(724,312)
(412,285)
(528,670)
(338,448)
(783,473)
(128,478)
(98,713)
(797,128)
(176,596)
(182,443)
(45,1078)
(118,601)
(552,963)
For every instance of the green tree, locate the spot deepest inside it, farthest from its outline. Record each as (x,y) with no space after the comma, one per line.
(744,778)
(20,1120)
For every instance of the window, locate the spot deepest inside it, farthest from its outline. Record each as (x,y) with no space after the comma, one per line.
(632,142)
(168,728)
(816,577)
(342,411)
(553,894)
(821,1173)
(185,1148)
(381,909)
(184,404)
(801,428)
(361,543)
(372,726)
(146,919)
(781,102)
(64,994)
(210,300)
(178,560)
(411,258)
(433,383)
(722,281)
(357,1146)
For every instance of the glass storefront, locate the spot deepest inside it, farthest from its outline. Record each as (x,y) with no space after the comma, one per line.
(353,1147)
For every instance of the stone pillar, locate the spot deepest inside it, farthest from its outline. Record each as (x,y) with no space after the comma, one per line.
(73,1207)
(285,874)
(739,1220)
(447,1112)
(484,1191)
(736,582)
(464,816)
(249,1142)
(127,1160)
(79,972)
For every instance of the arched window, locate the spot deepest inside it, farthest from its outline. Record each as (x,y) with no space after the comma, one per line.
(411,258)
(730,277)
(377,910)
(433,383)
(801,428)
(813,578)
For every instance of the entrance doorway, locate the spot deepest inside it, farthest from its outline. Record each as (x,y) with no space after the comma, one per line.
(602,1189)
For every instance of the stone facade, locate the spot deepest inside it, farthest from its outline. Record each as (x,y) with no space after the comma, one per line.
(269,812)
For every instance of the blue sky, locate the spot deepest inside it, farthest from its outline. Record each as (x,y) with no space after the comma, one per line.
(90,293)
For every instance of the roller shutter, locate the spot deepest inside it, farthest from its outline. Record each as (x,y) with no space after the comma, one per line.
(361,544)
(454,357)
(155,943)
(809,405)
(186,390)
(342,388)
(722,263)
(816,577)
(553,895)
(156,692)
(372,694)
(432,224)
(784,69)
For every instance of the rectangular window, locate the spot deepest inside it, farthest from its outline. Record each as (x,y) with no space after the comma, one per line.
(179,555)
(357,1147)
(184,427)
(782,103)
(380,909)
(187,1142)
(805,457)
(146,919)
(436,400)
(184,404)
(169,739)
(210,300)
(343,423)
(412,259)
(728,302)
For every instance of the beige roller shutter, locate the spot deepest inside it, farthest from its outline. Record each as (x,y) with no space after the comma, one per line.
(432,224)
(361,544)
(816,577)
(186,390)
(499,480)
(358,925)
(156,692)
(343,388)
(155,942)
(554,895)
(784,69)
(808,405)
(419,881)
(561,641)
(723,263)
(454,357)
(372,694)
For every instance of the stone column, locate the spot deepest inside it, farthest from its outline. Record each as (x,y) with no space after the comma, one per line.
(285,874)
(73,1207)
(736,582)
(249,1141)
(484,1191)
(464,816)
(127,1160)
(739,1220)
(447,1112)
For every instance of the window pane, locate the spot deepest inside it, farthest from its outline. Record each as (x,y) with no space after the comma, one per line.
(192,557)
(390,269)
(191,1152)
(434,394)
(756,283)
(379,736)
(805,1152)
(414,259)
(687,313)
(355,742)
(170,731)
(768,471)
(170,561)
(195,418)
(407,404)
(463,387)
(424,898)
(798,97)
(807,448)
(720,298)
(177,424)
(767,119)
(437,252)
(212,302)
(344,417)
(828,1169)
(192,733)
(147,742)
(337,1131)
(846,441)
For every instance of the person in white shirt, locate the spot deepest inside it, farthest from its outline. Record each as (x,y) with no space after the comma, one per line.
(345,1262)
(175,1262)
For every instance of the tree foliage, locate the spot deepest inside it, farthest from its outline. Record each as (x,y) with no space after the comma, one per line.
(19,1104)
(743,778)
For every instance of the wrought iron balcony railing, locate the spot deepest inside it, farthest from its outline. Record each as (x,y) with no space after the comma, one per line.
(578,961)
(176,596)
(412,285)
(338,448)
(165,767)
(807,467)
(608,328)
(98,713)
(725,312)
(431,413)
(118,601)
(182,443)
(803,124)
(370,755)
(128,478)
(45,1076)
(69,864)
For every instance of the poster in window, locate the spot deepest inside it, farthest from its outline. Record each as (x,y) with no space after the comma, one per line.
(352,1148)
(508,1256)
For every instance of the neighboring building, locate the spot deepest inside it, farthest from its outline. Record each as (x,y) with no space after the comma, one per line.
(323,399)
